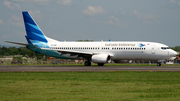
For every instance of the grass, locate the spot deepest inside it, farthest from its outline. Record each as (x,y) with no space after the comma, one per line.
(75,86)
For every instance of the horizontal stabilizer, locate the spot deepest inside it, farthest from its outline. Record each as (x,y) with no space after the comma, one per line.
(17,43)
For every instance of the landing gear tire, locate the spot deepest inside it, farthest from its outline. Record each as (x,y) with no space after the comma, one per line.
(158,64)
(87,63)
(100,64)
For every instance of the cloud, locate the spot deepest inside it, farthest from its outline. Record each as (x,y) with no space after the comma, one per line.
(16,18)
(178,3)
(39,2)
(42,2)
(65,2)
(113,21)
(16,21)
(20,0)
(91,11)
(122,12)
(147,18)
(32,0)
(112,17)
(173,1)
(1,22)
(11,5)
(138,15)
(34,12)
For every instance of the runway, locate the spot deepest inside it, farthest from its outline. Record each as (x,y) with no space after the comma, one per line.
(85,68)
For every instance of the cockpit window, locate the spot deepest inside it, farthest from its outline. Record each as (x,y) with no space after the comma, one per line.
(164,48)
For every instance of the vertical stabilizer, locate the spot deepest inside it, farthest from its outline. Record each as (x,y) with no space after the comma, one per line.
(33,32)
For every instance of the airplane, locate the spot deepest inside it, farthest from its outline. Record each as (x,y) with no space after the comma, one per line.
(101,52)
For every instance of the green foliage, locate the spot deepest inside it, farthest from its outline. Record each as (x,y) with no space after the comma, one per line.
(177,48)
(18,58)
(6,51)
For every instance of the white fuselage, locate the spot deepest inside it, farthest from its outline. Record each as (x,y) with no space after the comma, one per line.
(117,50)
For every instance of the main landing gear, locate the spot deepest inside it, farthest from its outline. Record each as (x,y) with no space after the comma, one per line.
(100,64)
(158,64)
(87,63)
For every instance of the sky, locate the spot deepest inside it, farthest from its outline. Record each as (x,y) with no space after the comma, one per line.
(72,20)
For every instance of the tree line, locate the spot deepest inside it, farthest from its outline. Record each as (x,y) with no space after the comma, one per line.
(6,51)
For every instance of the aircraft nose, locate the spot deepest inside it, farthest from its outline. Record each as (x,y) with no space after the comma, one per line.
(173,53)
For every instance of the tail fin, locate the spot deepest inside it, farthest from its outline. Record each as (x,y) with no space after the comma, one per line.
(33,32)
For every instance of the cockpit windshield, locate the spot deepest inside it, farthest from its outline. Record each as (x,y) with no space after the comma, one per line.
(164,48)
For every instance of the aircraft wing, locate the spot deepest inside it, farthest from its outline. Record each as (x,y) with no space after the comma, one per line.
(72,53)
(69,51)
(17,43)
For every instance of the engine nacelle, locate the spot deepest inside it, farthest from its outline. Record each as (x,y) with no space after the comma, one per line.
(101,58)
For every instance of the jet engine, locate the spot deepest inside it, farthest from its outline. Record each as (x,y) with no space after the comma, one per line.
(101,58)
